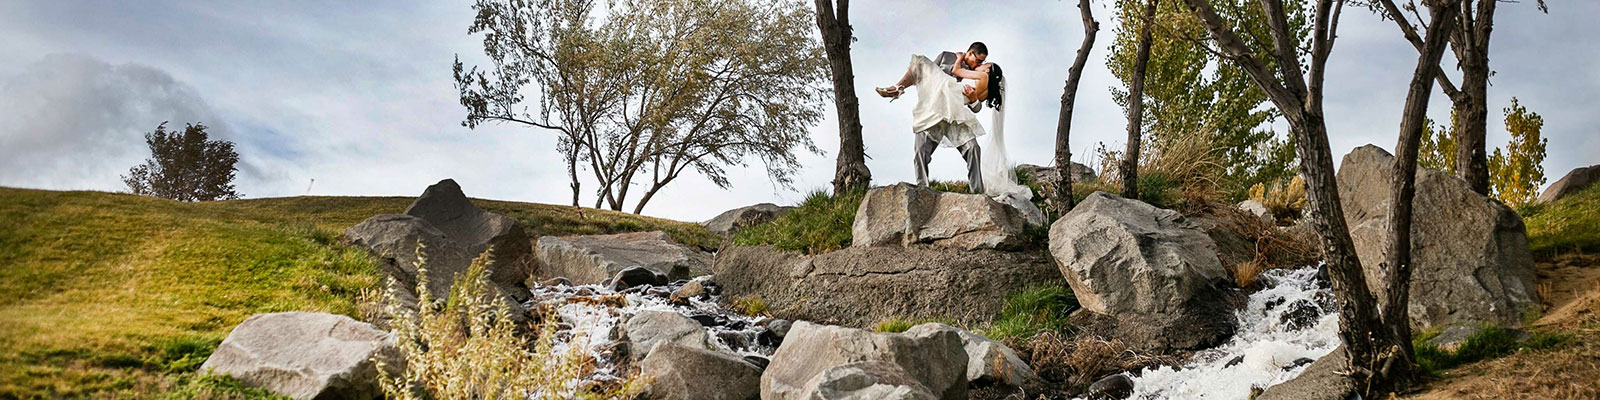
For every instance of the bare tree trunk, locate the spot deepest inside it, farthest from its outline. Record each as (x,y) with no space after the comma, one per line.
(1069,96)
(1471,44)
(850,169)
(1402,371)
(1130,157)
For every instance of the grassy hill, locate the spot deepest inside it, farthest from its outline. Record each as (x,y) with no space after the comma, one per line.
(121,296)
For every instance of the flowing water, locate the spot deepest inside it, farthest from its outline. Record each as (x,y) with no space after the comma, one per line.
(1284,327)
(590,316)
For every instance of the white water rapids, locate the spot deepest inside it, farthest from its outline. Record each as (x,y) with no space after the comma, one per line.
(1294,318)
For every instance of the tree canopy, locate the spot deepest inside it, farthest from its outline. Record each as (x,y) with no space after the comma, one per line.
(185,166)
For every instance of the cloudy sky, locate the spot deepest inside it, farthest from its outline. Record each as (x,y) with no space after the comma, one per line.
(357,96)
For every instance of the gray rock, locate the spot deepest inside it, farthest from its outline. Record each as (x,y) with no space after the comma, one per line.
(688,291)
(870,380)
(452,232)
(1031,214)
(931,357)
(635,276)
(1576,180)
(306,355)
(904,214)
(1259,210)
(1325,379)
(860,286)
(735,220)
(1115,387)
(1154,273)
(648,330)
(989,362)
(678,372)
(592,259)
(1470,253)
(1047,178)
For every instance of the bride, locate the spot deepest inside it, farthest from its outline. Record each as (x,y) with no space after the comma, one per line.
(942,118)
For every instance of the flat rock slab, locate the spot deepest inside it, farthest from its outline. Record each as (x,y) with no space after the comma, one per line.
(932,358)
(688,373)
(305,355)
(860,286)
(1470,252)
(593,259)
(904,214)
(735,220)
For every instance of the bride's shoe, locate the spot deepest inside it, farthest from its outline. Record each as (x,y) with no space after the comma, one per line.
(892,92)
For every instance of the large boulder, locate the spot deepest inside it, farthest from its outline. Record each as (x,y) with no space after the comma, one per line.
(903,214)
(593,259)
(1325,379)
(306,355)
(451,232)
(1469,252)
(932,357)
(989,362)
(735,220)
(649,330)
(1155,274)
(1576,180)
(860,286)
(867,380)
(676,372)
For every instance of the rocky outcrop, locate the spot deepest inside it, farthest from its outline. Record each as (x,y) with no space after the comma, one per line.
(1469,253)
(735,220)
(860,286)
(593,259)
(306,355)
(1575,181)
(648,330)
(452,232)
(875,380)
(1155,274)
(931,357)
(676,372)
(904,214)
(989,362)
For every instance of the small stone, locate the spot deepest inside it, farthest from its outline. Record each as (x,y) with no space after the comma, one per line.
(556,281)
(705,319)
(1298,362)
(758,361)
(1235,361)
(1301,314)
(1115,387)
(635,276)
(688,291)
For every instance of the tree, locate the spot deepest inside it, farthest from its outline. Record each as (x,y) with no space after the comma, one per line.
(185,166)
(1189,91)
(1438,148)
(651,88)
(1069,96)
(1130,157)
(1470,103)
(1517,173)
(1374,355)
(850,169)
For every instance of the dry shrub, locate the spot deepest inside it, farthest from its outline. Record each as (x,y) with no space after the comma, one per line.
(1286,200)
(467,347)
(1080,360)
(1270,246)
(1172,172)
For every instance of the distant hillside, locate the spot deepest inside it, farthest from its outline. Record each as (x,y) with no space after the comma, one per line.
(122,296)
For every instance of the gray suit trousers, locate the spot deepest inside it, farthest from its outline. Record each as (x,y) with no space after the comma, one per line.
(969,151)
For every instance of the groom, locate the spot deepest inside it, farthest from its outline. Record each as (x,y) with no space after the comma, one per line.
(927,141)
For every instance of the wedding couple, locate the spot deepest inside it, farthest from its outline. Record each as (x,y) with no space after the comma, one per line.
(951,89)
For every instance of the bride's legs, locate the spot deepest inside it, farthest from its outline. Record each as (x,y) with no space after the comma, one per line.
(907,80)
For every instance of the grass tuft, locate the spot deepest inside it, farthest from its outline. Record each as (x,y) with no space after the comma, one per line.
(898,325)
(820,224)
(1566,225)
(1487,343)
(1031,311)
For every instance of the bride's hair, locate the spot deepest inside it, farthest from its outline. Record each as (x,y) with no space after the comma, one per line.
(995,86)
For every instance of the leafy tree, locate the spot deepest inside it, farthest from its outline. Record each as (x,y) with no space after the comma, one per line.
(1190,90)
(1516,174)
(642,91)
(185,166)
(1438,148)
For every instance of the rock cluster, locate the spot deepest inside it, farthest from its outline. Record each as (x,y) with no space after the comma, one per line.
(451,232)
(306,355)
(1470,252)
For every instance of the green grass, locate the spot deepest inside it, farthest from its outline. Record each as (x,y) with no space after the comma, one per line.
(1031,311)
(898,325)
(122,296)
(820,224)
(1154,188)
(1487,343)
(1566,225)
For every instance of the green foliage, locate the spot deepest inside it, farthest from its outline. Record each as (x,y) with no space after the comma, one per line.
(1565,225)
(951,186)
(750,305)
(1516,174)
(897,325)
(1437,149)
(216,387)
(820,224)
(1189,91)
(185,166)
(1488,342)
(1034,310)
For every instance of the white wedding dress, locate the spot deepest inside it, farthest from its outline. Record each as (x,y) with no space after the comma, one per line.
(940,100)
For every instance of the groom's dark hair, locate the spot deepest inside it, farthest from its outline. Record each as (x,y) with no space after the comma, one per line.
(978,48)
